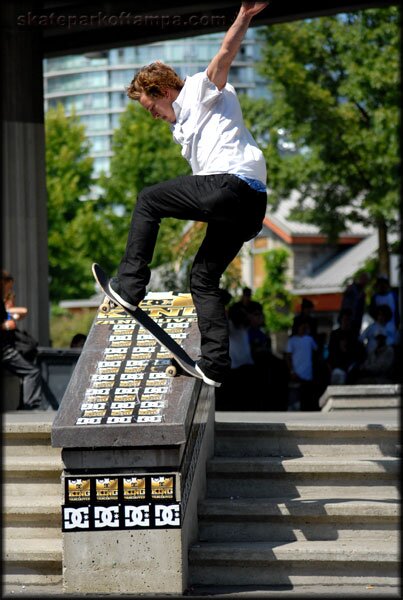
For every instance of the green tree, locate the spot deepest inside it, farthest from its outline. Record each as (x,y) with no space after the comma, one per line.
(68,179)
(273,293)
(334,85)
(143,154)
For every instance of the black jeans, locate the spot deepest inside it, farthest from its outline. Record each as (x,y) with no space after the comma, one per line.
(234,213)
(30,374)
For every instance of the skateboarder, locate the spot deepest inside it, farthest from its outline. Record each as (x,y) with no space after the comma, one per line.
(227,189)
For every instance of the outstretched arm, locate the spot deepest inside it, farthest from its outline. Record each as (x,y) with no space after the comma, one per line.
(218,68)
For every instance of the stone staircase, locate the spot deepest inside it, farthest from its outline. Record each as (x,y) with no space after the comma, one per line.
(32,538)
(293,500)
(308,500)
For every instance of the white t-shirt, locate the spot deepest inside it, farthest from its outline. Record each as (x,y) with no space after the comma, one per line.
(301,348)
(209,126)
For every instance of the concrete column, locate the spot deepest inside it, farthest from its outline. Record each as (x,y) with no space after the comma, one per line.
(24,206)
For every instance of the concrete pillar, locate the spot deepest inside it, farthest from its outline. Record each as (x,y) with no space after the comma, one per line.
(24,210)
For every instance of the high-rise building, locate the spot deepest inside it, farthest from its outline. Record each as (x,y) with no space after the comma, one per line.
(94,83)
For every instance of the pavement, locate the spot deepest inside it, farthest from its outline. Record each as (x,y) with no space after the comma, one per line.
(343,592)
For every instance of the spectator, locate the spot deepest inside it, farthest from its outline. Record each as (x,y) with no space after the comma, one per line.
(383,324)
(238,388)
(306,316)
(271,373)
(259,342)
(13,360)
(385,295)
(300,356)
(239,348)
(247,303)
(345,351)
(378,366)
(354,300)
(78,340)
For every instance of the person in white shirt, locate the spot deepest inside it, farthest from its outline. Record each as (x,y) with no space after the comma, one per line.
(227,188)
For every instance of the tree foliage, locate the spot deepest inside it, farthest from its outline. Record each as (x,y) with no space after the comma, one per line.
(68,178)
(273,293)
(143,154)
(81,232)
(334,84)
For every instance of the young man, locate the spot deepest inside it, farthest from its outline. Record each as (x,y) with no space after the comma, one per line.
(227,189)
(11,358)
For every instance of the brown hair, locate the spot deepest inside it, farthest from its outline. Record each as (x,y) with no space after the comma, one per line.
(6,276)
(153,80)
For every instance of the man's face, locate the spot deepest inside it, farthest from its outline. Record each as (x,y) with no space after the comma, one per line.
(160,108)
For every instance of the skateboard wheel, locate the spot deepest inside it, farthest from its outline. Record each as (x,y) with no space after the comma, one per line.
(105,306)
(171,371)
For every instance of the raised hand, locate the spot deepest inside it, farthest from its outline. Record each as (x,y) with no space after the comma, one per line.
(251,9)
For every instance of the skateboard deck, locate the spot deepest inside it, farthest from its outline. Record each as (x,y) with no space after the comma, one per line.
(179,355)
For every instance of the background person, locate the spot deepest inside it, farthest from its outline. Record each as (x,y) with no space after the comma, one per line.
(11,358)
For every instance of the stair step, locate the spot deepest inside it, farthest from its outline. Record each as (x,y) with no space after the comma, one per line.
(24,531)
(40,503)
(28,466)
(32,510)
(18,448)
(285,519)
(22,488)
(261,508)
(46,585)
(295,439)
(272,476)
(296,563)
(261,465)
(35,551)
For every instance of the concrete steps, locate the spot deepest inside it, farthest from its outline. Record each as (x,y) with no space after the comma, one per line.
(296,519)
(296,563)
(32,538)
(300,500)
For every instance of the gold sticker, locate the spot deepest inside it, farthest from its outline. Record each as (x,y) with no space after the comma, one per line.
(106,488)
(122,412)
(162,487)
(94,413)
(78,490)
(134,487)
(149,411)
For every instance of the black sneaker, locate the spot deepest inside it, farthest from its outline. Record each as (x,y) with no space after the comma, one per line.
(37,406)
(121,297)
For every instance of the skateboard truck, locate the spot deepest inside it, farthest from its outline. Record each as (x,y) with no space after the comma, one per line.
(107,305)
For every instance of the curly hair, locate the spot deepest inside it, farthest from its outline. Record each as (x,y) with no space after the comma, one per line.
(153,80)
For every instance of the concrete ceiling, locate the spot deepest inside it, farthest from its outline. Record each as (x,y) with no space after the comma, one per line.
(72,26)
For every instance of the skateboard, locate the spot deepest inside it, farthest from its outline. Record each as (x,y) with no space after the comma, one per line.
(181,361)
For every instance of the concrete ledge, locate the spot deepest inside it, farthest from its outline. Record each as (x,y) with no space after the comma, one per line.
(353,397)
